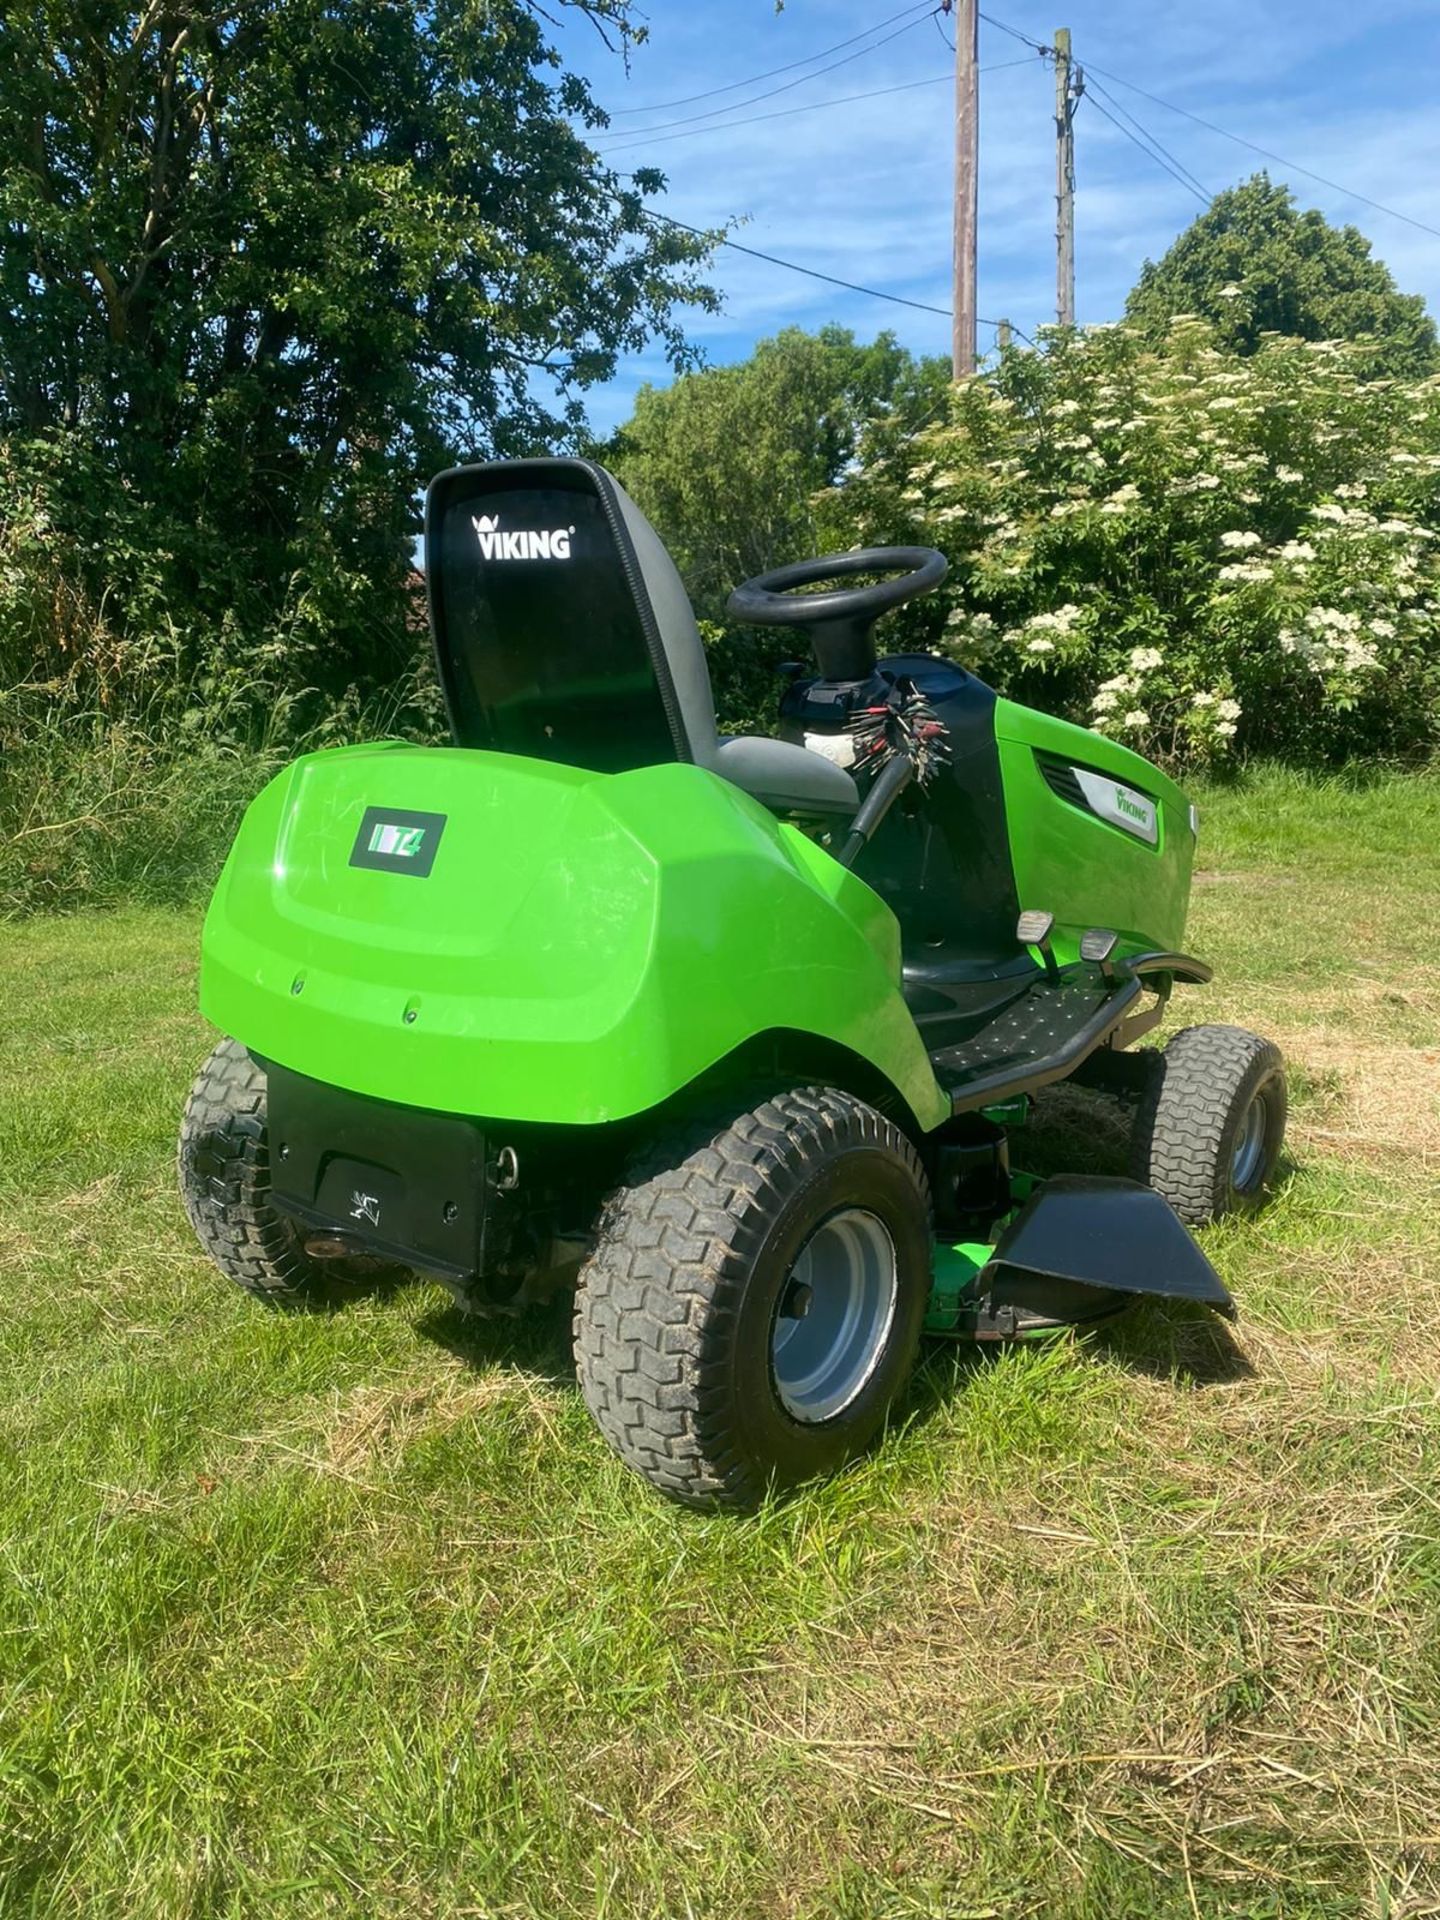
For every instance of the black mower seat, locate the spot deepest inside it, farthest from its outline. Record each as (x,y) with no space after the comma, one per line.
(563,631)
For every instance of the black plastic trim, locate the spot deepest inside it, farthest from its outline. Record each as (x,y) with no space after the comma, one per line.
(1184,966)
(422,1173)
(1060,778)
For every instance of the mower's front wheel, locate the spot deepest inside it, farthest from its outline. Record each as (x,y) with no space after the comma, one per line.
(224,1166)
(754,1302)
(1211,1123)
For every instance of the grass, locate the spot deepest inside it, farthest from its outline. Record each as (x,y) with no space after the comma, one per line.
(352,1613)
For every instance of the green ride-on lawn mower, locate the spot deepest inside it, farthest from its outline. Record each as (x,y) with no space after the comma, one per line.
(726,1035)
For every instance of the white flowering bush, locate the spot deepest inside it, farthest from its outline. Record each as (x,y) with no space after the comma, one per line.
(1193,551)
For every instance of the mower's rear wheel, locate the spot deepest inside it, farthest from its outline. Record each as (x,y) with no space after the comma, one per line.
(224,1165)
(754,1301)
(1211,1123)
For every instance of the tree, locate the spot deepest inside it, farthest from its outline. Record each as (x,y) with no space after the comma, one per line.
(1199,552)
(265,265)
(728,461)
(1254,264)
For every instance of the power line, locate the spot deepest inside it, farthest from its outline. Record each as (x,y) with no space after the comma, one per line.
(812,273)
(1094,87)
(1210,126)
(1292,166)
(735,86)
(1015,33)
(804,80)
(1155,153)
(814,106)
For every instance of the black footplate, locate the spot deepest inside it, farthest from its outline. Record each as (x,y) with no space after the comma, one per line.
(402,1183)
(1039,1037)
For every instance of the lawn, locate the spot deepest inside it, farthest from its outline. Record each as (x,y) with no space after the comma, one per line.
(353,1613)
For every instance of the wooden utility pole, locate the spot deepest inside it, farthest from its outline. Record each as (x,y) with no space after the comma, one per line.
(1069,85)
(966,15)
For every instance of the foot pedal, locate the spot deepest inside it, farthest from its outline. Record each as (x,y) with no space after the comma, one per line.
(1097,946)
(1034,930)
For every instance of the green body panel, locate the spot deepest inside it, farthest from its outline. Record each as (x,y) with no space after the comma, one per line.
(956,1268)
(1082,869)
(585,945)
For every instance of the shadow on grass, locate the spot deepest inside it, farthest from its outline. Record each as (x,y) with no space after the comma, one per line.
(538,1339)
(345,1283)
(1172,1340)
(1162,1339)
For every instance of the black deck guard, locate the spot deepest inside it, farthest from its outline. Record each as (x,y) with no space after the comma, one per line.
(1104,1236)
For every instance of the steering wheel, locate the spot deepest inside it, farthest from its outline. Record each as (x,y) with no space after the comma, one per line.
(839,622)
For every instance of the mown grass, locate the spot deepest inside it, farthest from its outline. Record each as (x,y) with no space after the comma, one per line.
(352,1613)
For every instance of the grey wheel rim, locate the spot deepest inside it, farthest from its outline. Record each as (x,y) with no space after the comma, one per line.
(1248,1158)
(834,1315)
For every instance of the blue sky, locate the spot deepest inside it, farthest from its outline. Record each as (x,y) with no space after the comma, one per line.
(862,190)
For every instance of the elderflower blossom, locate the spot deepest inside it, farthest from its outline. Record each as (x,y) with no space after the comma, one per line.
(1040,645)
(1202,699)
(1105,701)
(1143,659)
(1289,476)
(1137,717)
(1297,550)
(1332,620)
(1239,540)
(1122,498)
(1060,621)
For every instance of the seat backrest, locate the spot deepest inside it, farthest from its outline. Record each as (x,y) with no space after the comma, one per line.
(561,626)
(563,631)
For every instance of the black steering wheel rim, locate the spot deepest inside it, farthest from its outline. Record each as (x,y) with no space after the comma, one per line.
(771,599)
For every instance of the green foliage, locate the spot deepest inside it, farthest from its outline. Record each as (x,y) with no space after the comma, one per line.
(1197,551)
(139,805)
(728,462)
(262,270)
(1254,265)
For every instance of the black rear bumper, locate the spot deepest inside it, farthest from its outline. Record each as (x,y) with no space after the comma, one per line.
(409,1185)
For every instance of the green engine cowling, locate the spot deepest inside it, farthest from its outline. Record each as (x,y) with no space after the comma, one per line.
(1098,836)
(484,934)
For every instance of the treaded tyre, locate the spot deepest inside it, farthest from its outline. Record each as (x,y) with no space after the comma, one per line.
(754,1301)
(1211,1124)
(224,1165)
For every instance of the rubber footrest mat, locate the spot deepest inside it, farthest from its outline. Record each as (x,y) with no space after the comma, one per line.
(1040,1036)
